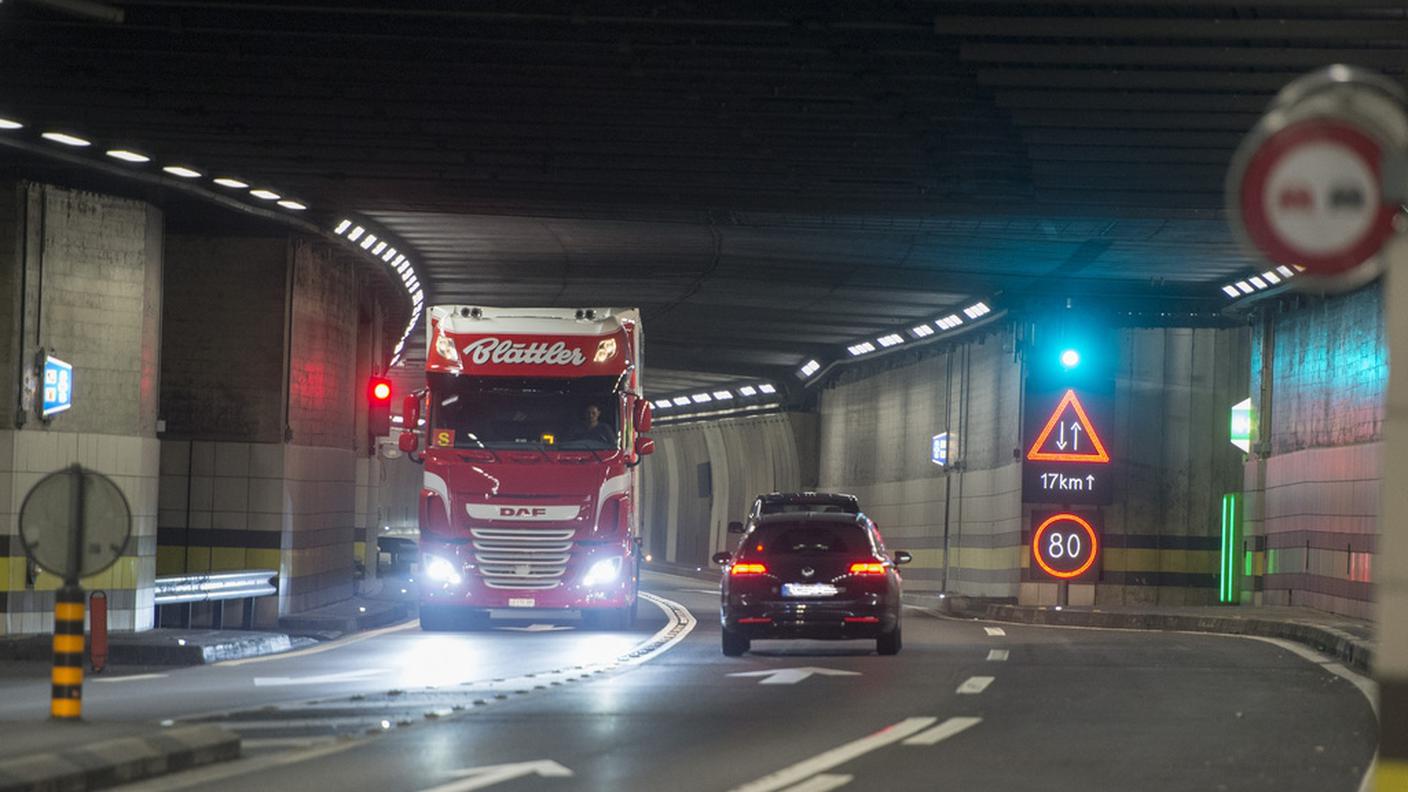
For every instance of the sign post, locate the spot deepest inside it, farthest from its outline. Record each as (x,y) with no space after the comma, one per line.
(1317,185)
(74,523)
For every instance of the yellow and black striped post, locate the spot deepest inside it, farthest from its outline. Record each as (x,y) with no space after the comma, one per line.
(67,698)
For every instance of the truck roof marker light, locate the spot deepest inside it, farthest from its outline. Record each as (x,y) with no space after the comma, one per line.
(265,194)
(748,390)
(289,203)
(893,339)
(67,139)
(1231,291)
(380,246)
(127,155)
(182,171)
(236,184)
(681,401)
(356,234)
(723,395)
(10,123)
(922,331)
(767,388)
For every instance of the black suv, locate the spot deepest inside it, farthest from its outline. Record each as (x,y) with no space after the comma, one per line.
(811,575)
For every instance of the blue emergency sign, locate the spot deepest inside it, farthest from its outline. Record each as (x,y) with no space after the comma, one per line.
(57,386)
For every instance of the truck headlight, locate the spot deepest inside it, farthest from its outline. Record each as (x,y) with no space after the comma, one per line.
(442,571)
(603,572)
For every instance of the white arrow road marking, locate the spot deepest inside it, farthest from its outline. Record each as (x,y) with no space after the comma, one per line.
(821,783)
(994,631)
(489,775)
(791,676)
(132,678)
(943,731)
(320,679)
(836,756)
(538,628)
(974,685)
(998,655)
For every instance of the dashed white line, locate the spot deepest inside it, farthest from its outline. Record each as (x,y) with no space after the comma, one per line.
(994,631)
(821,783)
(998,655)
(132,678)
(975,685)
(943,731)
(805,769)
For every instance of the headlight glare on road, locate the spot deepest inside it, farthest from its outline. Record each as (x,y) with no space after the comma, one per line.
(603,572)
(442,571)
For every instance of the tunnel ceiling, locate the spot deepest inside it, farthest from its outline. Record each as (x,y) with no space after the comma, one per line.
(766,181)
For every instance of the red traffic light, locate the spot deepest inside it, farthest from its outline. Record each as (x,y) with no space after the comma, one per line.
(381,389)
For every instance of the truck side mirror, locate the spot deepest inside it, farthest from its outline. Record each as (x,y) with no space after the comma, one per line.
(644,415)
(735,527)
(645,446)
(408,442)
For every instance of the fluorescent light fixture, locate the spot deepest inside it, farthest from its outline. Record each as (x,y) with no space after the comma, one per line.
(10,123)
(681,401)
(1231,291)
(861,348)
(368,241)
(400,259)
(1285,271)
(128,156)
(748,390)
(182,171)
(810,368)
(977,309)
(700,398)
(356,234)
(418,296)
(403,266)
(949,322)
(341,227)
(389,255)
(890,340)
(380,246)
(1243,287)
(767,388)
(236,184)
(1257,281)
(66,139)
(265,194)
(294,205)
(663,404)
(1271,277)
(723,395)
(923,331)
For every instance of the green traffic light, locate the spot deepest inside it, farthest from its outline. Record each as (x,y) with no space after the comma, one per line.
(1070,358)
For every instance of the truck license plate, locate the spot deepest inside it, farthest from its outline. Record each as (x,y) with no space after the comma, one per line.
(522,602)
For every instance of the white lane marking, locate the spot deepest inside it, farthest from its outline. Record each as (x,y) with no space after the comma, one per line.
(994,631)
(975,685)
(791,676)
(822,762)
(678,620)
(327,647)
(318,679)
(821,783)
(133,678)
(472,778)
(943,731)
(998,655)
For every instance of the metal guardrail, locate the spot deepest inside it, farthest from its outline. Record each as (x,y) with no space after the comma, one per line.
(214,587)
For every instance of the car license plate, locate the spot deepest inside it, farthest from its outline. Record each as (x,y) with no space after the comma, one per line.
(522,602)
(808,590)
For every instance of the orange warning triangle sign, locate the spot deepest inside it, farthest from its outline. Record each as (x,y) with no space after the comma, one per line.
(1094,451)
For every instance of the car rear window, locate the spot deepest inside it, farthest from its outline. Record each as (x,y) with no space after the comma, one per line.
(794,507)
(807,538)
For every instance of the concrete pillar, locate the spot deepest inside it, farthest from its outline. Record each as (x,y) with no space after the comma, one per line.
(81,276)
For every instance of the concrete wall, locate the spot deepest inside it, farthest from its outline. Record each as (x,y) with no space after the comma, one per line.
(704,475)
(81,276)
(1314,478)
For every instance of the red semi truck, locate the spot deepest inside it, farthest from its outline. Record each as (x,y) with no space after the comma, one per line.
(534,426)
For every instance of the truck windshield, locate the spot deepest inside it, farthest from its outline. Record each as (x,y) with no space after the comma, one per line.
(517,412)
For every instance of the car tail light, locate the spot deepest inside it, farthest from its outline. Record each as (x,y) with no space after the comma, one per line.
(748,569)
(862,620)
(867,568)
(755,620)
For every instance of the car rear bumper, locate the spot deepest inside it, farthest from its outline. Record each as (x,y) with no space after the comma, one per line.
(829,621)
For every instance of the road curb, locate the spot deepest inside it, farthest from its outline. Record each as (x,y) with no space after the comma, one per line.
(113,762)
(153,648)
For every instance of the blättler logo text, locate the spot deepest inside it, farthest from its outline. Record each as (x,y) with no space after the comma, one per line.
(494,350)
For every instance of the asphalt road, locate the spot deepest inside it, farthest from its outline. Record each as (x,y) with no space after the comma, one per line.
(966,705)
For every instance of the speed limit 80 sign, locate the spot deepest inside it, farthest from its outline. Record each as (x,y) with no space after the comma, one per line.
(1065,545)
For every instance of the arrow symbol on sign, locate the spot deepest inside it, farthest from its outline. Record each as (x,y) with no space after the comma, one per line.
(321,679)
(479,777)
(538,628)
(1090,483)
(1075,435)
(1061,441)
(791,676)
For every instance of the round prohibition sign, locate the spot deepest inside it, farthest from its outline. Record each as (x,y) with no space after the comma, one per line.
(1091,550)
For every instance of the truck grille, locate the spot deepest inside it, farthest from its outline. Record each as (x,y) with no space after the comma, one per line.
(518,558)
